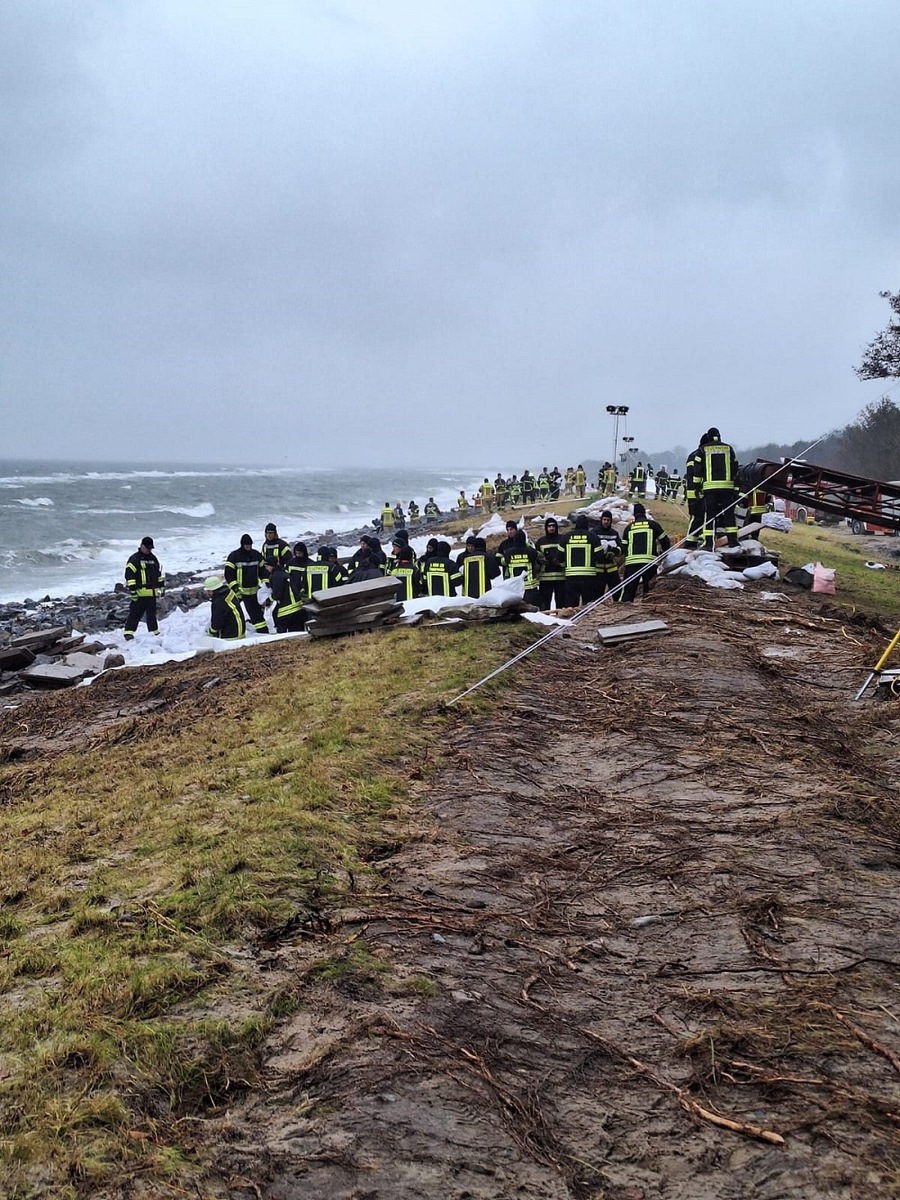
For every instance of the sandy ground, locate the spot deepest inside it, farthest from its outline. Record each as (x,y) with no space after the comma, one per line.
(654,891)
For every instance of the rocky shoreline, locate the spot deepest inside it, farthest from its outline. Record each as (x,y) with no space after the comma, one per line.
(44,643)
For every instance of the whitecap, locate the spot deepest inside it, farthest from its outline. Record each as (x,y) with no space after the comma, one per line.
(37,502)
(198,510)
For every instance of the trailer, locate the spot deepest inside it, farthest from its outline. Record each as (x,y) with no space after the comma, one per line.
(868,505)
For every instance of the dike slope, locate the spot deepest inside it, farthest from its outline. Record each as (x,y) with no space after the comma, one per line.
(654,892)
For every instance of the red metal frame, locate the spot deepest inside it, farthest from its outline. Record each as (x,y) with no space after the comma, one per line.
(852,496)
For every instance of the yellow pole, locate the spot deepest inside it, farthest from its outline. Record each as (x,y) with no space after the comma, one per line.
(879,664)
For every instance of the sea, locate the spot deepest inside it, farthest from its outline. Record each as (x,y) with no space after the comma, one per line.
(66,528)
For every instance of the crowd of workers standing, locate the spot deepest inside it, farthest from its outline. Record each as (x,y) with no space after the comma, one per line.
(560,570)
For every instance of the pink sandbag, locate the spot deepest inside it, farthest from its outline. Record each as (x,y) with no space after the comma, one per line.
(823,579)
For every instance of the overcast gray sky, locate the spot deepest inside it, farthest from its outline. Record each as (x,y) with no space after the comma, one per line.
(441,232)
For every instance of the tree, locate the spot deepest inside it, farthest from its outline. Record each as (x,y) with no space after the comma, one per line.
(881,358)
(871,445)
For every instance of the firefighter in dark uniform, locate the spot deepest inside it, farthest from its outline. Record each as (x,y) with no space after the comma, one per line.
(552,573)
(645,540)
(581,547)
(611,550)
(512,528)
(478,567)
(288,612)
(145,581)
(274,549)
(326,572)
(409,580)
(440,573)
(522,559)
(694,498)
(242,568)
(757,503)
(225,619)
(716,474)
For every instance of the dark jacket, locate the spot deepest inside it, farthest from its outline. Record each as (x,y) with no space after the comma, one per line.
(242,567)
(225,619)
(143,575)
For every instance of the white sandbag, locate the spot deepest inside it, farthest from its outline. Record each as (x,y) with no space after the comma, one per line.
(494,524)
(728,580)
(774,520)
(766,570)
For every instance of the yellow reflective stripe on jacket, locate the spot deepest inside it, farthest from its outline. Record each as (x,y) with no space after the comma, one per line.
(520,564)
(639,543)
(717,467)
(579,555)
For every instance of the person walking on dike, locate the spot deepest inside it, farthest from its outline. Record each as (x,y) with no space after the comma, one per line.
(645,540)
(242,574)
(226,620)
(387,517)
(638,486)
(487,496)
(145,582)
(580,481)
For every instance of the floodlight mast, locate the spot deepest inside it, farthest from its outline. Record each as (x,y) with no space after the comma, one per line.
(616,411)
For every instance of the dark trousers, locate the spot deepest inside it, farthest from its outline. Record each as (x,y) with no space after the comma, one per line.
(141,606)
(580,589)
(606,581)
(695,526)
(550,589)
(294,622)
(253,609)
(715,516)
(635,575)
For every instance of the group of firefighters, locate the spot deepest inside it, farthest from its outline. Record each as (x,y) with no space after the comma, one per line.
(560,570)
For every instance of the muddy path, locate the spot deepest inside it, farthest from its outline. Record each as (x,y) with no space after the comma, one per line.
(655,892)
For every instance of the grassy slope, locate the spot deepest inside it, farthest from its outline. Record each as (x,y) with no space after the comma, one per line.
(134,876)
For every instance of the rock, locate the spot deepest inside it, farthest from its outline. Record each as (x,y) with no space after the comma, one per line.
(41,639)
(67,644)
(15,658)
(88,664)
(113,660)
